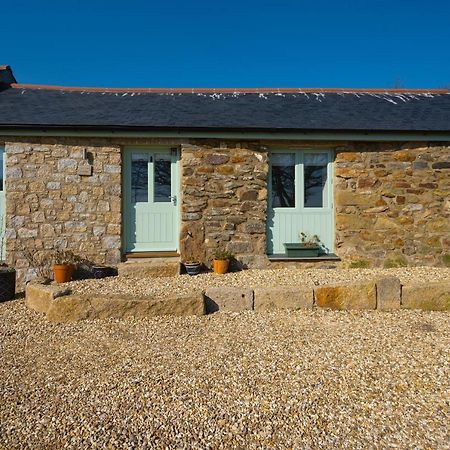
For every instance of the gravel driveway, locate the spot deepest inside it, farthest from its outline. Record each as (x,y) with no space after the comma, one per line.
(309,379)
(141,286)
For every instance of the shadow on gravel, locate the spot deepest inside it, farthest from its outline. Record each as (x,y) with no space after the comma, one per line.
(424,328)
(210,305)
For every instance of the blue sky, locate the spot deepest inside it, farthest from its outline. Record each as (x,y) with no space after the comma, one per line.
(230,43)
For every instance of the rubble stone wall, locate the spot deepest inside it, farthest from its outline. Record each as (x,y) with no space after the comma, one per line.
(392,203)
(51,205)
(224,200)
(392,200)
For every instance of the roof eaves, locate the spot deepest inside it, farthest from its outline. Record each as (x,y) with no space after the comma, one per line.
(72,127)
(230,90)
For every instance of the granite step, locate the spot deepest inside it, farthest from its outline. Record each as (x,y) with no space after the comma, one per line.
(150,267)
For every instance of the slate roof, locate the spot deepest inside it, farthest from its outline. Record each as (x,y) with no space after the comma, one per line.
(30,106)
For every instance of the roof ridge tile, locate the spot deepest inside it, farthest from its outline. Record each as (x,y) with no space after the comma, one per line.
(232,90)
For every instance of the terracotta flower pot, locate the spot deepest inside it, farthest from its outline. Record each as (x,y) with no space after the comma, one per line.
(63,272)
(221,265)
(7,284)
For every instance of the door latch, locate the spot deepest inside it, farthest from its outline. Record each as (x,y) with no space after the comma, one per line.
(173,199)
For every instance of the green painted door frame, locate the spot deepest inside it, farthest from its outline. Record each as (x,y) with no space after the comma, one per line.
(151,197)
(285,223)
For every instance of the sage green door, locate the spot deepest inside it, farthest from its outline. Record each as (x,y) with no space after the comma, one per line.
(300,198)
(151,200)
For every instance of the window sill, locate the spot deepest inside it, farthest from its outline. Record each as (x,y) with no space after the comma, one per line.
(283,257)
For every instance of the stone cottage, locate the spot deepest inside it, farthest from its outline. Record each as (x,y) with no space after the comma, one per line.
(114,173)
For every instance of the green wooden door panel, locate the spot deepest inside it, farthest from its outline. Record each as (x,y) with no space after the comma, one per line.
(151,198)
(300,198)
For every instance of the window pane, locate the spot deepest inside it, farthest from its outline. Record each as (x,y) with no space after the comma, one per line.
(315,176)
(2,151)
(320,159)
(283,180)
(139,177)
(163,178)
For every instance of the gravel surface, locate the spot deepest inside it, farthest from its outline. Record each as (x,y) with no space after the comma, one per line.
(141,286)
(306,379)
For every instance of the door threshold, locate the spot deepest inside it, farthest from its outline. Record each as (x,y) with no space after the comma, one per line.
(151,255)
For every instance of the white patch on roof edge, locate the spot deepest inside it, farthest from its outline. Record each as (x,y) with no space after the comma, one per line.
(390,97)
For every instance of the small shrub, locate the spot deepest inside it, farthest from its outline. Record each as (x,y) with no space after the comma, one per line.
(395,261)
(360,264)
(446,260)
(62,256)
(220,253)
(309,241)
(38,261)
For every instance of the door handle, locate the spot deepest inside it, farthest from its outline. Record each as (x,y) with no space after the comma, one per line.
(173,199)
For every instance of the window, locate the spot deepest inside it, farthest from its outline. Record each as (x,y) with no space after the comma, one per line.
(139,177)
(315,180)
(283,180)
(162,178)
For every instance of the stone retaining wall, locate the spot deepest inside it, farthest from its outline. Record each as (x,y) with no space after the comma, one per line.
(385,294)
(59,305)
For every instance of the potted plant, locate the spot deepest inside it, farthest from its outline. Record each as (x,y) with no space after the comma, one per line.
(193,267)
(309,246)
(7,282)
(221,261)
(7,274)
(39,261)
(193,255)
(101,271)
(64,262)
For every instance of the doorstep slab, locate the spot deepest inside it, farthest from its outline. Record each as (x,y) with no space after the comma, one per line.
(153,267)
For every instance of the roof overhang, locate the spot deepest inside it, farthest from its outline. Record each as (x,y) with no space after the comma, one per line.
(319,135)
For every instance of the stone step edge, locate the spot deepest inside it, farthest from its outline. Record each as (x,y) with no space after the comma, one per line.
(385,294)
(60,305)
